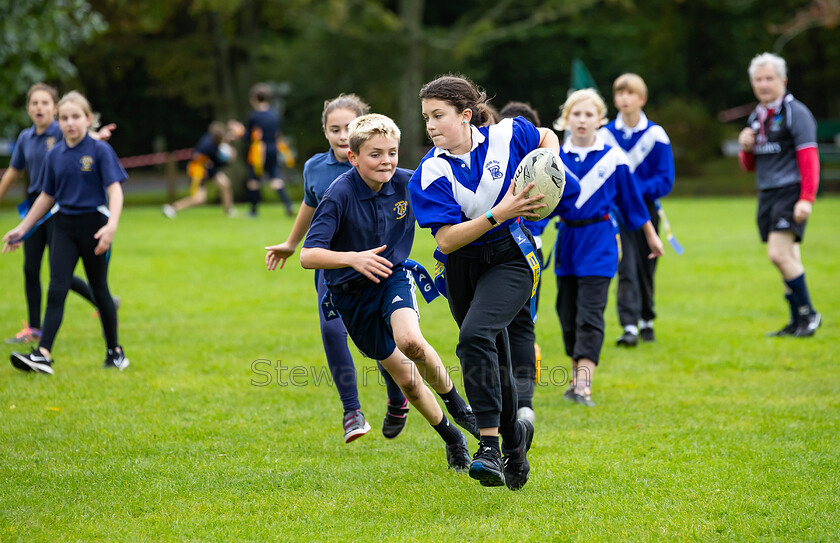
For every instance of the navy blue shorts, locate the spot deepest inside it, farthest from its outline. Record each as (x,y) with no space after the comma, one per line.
(366,311)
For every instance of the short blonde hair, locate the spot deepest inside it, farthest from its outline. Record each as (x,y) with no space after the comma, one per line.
(75,97)
(366,127)
(630,83)
(574,99)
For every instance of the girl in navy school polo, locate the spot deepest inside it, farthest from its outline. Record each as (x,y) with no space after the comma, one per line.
(82,176)
(29,154)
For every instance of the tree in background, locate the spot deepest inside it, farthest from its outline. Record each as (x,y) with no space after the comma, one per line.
(38,39)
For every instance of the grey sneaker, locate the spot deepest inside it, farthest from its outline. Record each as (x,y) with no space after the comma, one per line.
(355,425)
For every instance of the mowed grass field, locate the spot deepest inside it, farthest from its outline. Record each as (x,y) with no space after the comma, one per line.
(712,433)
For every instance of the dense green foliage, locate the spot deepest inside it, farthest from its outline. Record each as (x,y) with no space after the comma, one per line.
(713,433)
(164,69)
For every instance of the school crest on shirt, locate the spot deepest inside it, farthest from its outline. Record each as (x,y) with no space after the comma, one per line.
(49,142)
(87,163)
(400,208)
(494,168)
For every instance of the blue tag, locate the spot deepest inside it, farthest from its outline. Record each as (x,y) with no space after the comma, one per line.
(423,279)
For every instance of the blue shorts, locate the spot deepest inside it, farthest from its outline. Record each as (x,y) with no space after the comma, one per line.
(366,308)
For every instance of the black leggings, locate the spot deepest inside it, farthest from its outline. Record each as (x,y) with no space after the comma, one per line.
(487,285)
(33,255)
(73,239)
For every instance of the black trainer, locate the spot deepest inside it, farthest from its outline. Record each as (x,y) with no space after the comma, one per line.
(33,361)
(116,359)
(515,461)
(570,393)
(457,455)
(788,330)
(487,467)
(808,325)
(627,339)
(395,419)
(647,335)
(466,420)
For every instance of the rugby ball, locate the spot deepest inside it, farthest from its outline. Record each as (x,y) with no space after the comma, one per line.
(544,168)
(225,152)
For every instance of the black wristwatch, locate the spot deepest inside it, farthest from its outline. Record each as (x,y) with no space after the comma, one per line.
(492,219)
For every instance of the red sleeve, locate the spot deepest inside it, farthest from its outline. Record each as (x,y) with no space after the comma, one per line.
(746,160)
(808,159)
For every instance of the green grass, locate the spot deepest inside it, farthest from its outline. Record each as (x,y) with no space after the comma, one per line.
(713,433)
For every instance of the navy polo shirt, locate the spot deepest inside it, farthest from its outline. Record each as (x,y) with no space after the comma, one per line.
(268,122)
(78,177)
(31,149)
(352,217)
(318,174)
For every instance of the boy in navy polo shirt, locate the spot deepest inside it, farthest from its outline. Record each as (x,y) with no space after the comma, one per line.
(83,177)
(361,232)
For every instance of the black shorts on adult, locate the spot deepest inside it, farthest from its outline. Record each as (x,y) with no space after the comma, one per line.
(775,212)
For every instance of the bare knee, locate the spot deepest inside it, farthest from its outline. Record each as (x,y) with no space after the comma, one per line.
(253,184)
(413,347)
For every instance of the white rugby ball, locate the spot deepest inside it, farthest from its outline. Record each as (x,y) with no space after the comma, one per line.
(544,168)
(225,152)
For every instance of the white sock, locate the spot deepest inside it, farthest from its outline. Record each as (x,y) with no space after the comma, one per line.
(632,329)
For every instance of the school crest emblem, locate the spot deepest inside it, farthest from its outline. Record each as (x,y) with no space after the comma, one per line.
(50,141)
(87,163)
(400,208)
(495,169)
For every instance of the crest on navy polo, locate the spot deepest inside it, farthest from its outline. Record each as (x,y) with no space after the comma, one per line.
(604,176)
(353,217)
(788,130)
(78,177)
(648,151)
(31,150)
(445,191)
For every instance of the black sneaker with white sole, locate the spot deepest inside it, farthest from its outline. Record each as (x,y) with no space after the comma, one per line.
(457,455)
(487,467)
(33,361)
(515,460)
(647,335)
(116,360)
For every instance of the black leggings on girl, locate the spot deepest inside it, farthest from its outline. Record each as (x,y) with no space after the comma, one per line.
(73,239)
(33,256)
(487,286)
